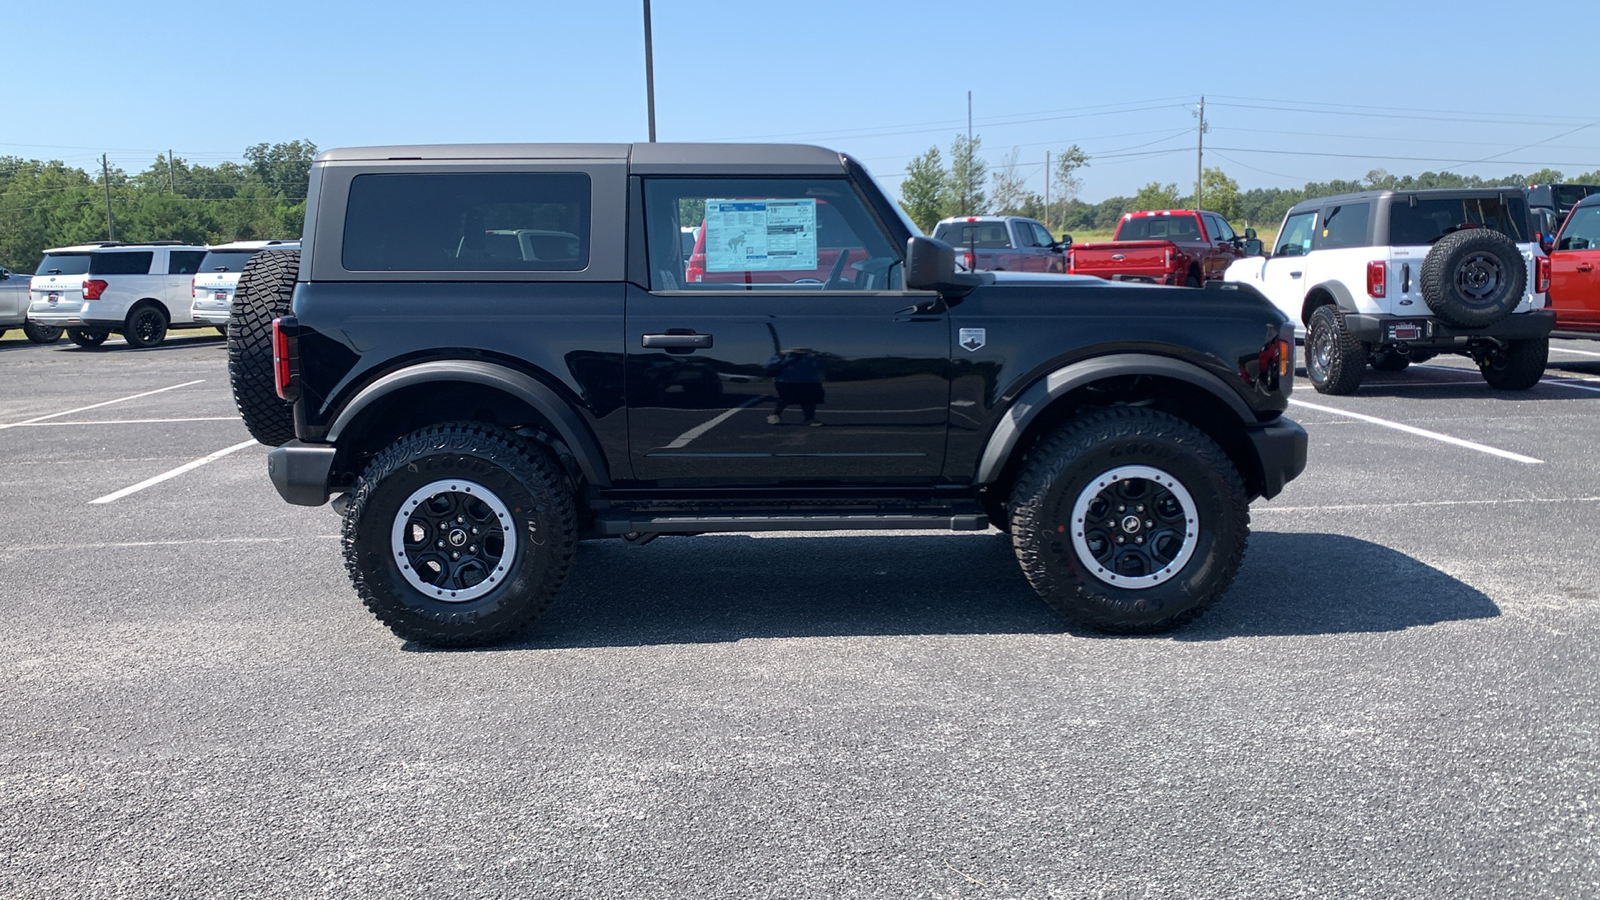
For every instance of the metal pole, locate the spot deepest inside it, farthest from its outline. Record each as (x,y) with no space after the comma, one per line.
(172,180)
(105,176)
(966,175)
(1047,189)
(649,73)
(1199,155)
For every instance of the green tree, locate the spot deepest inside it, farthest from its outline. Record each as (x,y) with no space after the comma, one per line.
(283,167)
(1008,188)
(1546,176)
(922,191)
(965,195)
(1156,196)
(1220,194)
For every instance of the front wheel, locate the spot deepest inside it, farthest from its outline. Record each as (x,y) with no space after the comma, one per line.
(1129,520)
(41,334)
(1518,366)
(459,535)
(88,337)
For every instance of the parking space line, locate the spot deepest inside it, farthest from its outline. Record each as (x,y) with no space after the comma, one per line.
(173,473)
(1571,384)
(124,545)
(1578,352)
(98,405)
(1421,503)
(1421,432)
(129,421)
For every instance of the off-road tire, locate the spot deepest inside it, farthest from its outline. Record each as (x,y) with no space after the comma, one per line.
(41,334)
(146,326)
(88,337)
(466,463)
(1473,278)
(1518,367)
(1099,452)
(1390,361)
(1335,361)
(266,285)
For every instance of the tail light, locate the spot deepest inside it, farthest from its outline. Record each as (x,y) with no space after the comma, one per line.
(1377,278)
(968,261)
(93,288)
(192,294)
(1166,256)
(1072,260)
(284,346)
(1541,274)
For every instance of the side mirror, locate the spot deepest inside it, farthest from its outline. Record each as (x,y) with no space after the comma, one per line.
(931,266)
(1252,245)
(1546,242)
(1249,234)
(1064,243)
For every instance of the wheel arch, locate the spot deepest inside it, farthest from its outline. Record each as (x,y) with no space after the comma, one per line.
(1329,292)
(1172,386)
(453,390)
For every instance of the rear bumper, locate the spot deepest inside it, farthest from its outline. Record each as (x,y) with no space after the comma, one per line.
(300,472)
(1372,329)
(1281,448)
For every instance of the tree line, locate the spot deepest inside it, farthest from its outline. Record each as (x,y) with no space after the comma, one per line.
(933,190)
(47,204)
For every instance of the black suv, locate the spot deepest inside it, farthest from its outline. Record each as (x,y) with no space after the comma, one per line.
(496,351)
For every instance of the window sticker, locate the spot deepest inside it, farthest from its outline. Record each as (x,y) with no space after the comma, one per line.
(761,235)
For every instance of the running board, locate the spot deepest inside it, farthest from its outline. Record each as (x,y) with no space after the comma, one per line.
(614,524)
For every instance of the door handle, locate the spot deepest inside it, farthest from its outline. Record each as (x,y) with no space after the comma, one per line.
(1585,267)
(678,339)
(1295,274)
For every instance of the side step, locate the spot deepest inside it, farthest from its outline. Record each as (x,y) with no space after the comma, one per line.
(656,523)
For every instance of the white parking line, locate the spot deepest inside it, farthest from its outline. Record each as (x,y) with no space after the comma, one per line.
(174,473)
(1421,432)
(98,405)
(1578,352)
(1571,384)
(129,421)
(1422,503)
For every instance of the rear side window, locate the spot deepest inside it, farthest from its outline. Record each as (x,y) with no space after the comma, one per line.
(1417,220)
(226,260)
(185,262)
(132,263)
(484,222)
(63,264)
(1344,226)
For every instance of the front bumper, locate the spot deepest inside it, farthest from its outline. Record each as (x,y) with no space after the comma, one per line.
(1281,447)
(1426,331)
(300,472)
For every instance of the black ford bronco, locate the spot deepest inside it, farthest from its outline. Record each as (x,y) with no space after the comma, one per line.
(488,353)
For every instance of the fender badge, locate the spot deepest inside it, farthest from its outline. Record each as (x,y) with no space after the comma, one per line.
(972,339)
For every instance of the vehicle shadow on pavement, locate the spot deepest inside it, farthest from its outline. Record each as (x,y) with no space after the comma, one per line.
(1305,584)
(734,587)
(171,343)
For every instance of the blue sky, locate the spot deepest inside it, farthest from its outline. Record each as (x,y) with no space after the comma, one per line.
(1295,92)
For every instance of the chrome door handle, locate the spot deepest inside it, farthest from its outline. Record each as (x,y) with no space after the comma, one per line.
(678,339)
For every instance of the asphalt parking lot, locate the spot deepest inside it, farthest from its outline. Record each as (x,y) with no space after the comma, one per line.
(1398,698)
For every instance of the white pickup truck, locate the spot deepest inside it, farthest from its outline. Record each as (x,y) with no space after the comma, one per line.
(14,309)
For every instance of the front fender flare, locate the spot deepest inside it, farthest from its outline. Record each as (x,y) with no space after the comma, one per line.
(1032,401)
(568,425)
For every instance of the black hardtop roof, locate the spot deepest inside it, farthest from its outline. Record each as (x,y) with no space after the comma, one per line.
(1423,194)
(1591,200)
(642,158)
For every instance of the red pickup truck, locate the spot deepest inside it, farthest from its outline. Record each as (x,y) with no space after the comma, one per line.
(1166,246)
(1575,272)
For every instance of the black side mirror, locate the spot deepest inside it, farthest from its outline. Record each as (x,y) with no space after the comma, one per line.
(1252,246)
(931,266)
(1064,243)
(1249,234)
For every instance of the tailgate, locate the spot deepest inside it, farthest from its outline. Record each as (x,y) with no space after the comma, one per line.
(1148,257)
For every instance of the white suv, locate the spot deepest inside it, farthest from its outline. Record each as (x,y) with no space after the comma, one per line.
(1388,278)
(213,286)
(136,290)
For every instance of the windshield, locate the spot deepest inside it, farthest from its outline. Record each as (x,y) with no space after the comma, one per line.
(1417,220)
(225,261)
(63,264)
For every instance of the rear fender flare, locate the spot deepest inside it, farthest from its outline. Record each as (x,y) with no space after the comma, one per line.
(560,414)
(1042,393)
(1341,297)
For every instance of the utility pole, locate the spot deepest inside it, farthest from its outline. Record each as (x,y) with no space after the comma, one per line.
(1199,155)
(649,73)
(105,176)
(1047,189)
(966,175)
(172,181)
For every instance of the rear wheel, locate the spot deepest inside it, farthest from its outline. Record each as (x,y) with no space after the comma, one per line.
(1129,520)
(265,288)
(41,334)
(88,337)
(459,535)
(1518,366)
(146,326)
(1335,360)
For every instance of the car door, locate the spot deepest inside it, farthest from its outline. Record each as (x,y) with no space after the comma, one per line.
(1223,249)
(1575,271)
(759,372)
(1283,274)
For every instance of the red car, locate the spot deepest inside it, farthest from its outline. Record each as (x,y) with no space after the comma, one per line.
(1575,272)
(1164,246)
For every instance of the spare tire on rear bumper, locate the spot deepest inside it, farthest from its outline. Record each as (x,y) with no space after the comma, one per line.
(265,288)
(1474,277)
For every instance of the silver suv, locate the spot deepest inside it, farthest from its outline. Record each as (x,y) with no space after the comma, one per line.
(212,288)
(136,290)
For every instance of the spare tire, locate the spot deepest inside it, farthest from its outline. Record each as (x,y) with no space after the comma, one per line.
(1474,277)
(265,288)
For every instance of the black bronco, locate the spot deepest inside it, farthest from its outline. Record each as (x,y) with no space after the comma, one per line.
(495,351)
